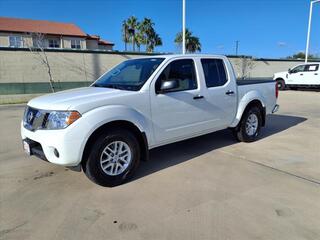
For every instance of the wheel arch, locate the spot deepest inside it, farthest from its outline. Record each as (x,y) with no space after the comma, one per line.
(244,107)
(282,82)
(123,124)
(256,103)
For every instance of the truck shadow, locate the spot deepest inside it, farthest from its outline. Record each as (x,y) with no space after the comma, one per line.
(306,89)
(176,153)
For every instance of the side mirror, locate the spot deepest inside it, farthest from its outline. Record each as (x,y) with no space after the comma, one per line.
(166,86)
(289,70)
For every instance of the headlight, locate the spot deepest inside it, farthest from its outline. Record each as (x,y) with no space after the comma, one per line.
(60,120)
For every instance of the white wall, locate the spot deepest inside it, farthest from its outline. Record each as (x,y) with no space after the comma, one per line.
(23,66)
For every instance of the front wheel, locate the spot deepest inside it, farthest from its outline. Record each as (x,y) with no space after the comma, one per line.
(281,84)
(113,158)
(248,129)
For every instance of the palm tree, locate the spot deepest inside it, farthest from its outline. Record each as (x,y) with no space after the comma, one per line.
(149,37)
(140,33)
(192,42)
(132,28)
(145,27)
(153,40)
(139,39)
(125,34)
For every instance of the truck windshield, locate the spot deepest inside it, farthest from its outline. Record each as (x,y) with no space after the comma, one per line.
(129,75)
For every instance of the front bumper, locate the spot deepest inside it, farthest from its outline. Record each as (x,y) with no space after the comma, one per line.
(275,108)
(68,142)
(35,149)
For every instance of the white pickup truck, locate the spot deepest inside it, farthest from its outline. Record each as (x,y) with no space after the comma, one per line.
(304,75)
(107,128)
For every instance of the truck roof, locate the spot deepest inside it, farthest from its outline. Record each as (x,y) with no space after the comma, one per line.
(168,56)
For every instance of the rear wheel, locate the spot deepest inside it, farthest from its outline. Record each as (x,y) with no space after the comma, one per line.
(281,84)
(248,129)
(113,158)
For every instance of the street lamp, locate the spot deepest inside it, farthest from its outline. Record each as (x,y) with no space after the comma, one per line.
(309,28)
(184,26)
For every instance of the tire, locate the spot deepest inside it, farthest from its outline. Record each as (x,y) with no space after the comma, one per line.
(104,153)
(281,84)
(243,132)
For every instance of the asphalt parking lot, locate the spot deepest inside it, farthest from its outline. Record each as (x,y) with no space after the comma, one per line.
(210,187)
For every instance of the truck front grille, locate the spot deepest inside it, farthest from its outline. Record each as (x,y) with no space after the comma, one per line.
(34,119)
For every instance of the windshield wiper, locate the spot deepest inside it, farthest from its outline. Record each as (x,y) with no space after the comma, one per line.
(115,86)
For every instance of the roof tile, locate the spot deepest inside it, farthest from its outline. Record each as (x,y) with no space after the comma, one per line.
(39,26)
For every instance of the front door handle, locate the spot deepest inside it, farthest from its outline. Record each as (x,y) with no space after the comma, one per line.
(301,74)
(229,92)
(316,74)
(198,97)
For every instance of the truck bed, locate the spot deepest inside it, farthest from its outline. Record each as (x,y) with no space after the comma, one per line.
(253,81)
(263,87)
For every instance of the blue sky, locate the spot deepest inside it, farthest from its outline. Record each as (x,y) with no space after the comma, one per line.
(265,28)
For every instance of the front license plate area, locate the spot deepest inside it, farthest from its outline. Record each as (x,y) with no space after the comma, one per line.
(26,147)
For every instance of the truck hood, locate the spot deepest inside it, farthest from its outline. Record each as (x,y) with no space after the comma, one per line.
(79,99)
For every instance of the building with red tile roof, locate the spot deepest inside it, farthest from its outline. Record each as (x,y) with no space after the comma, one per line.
(21,33)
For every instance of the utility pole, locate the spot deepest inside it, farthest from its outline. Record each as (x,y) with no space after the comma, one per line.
(237,47)
(309,29)
(183,26)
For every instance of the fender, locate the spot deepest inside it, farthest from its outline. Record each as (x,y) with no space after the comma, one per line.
(281,75)
(243,103)
(103,115)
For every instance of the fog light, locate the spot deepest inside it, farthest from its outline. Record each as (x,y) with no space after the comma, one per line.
(56,153)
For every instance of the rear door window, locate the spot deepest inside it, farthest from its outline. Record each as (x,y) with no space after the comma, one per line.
(311,68)
(214,72)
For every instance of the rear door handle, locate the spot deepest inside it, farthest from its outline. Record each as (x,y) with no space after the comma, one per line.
(316,74)
(301,74)
(230,92)
(198,97)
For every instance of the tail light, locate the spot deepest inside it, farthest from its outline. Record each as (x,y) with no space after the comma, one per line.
(277,90)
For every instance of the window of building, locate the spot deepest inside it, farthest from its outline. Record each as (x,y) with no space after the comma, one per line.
(76,44)
(54,43)
(181,70)
(38,42)
(15,41)
(214,72)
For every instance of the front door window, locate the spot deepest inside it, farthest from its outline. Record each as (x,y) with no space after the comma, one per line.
(298,69)
(183,71)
